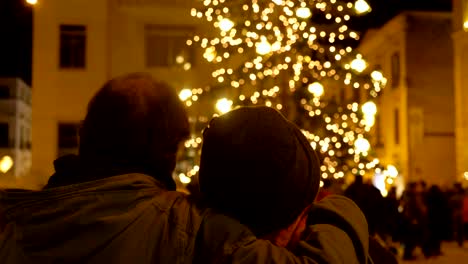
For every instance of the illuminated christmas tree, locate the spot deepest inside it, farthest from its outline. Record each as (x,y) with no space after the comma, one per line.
(298,57)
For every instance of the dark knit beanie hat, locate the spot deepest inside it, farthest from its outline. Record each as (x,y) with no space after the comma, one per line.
(258,168)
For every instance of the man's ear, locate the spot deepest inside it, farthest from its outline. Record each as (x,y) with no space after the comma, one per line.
(291,235)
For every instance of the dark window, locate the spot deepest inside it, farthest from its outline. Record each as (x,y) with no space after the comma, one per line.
(22,142)
(27,138)
(4,92)
(397,126)
(396,70)
(72,46)
(4,135)
(166,46)
(378,129)
(68,138)
(356,95)
(342,95)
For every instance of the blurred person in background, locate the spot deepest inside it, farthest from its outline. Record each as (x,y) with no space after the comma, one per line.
(437,211)
(457,201)
(370,200)
(415,217)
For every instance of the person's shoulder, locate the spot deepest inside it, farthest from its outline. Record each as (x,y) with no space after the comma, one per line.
(339,217)
(180,210)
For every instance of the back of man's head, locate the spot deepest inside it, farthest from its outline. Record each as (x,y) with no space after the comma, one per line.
(134,123)
(258,168)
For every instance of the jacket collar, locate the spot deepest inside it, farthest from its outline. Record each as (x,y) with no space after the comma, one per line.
(71,169)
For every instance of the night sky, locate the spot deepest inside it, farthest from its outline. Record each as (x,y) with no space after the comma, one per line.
(16,29)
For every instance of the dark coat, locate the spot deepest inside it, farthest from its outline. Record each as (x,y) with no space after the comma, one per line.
(132,219)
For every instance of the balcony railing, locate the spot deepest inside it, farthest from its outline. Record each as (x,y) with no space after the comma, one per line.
(168,3)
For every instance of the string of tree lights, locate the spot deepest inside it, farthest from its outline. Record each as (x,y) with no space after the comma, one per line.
(296,56)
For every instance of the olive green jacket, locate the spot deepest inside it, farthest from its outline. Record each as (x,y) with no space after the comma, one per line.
(132,219)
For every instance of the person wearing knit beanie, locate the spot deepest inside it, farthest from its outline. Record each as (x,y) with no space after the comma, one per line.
(258,168)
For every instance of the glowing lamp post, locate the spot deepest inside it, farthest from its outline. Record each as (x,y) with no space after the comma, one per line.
(6,164)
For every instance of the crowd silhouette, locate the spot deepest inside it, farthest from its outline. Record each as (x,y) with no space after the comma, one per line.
(423,216)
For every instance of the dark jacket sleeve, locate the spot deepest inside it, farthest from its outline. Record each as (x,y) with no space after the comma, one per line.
(336,233)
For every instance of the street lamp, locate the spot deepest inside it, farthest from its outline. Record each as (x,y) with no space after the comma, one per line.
(6,164)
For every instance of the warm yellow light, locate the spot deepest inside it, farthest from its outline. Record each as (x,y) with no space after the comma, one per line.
(392,171)
(465,25)
(180,59)
(369,122)
(362,145)
(359,64)
(6,164)
(369,109)
(224,105)
(466,175)
(184,179)
(303,12)
(316,89)
(362,6)
(278,2)
(210,54)
(185,94)
(226,24)
(31,2)
(263,47)
(377,76)
(384,193)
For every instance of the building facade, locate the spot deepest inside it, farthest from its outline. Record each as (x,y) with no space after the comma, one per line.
(79,44)
(415,128)
(15,131)
(460,38)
